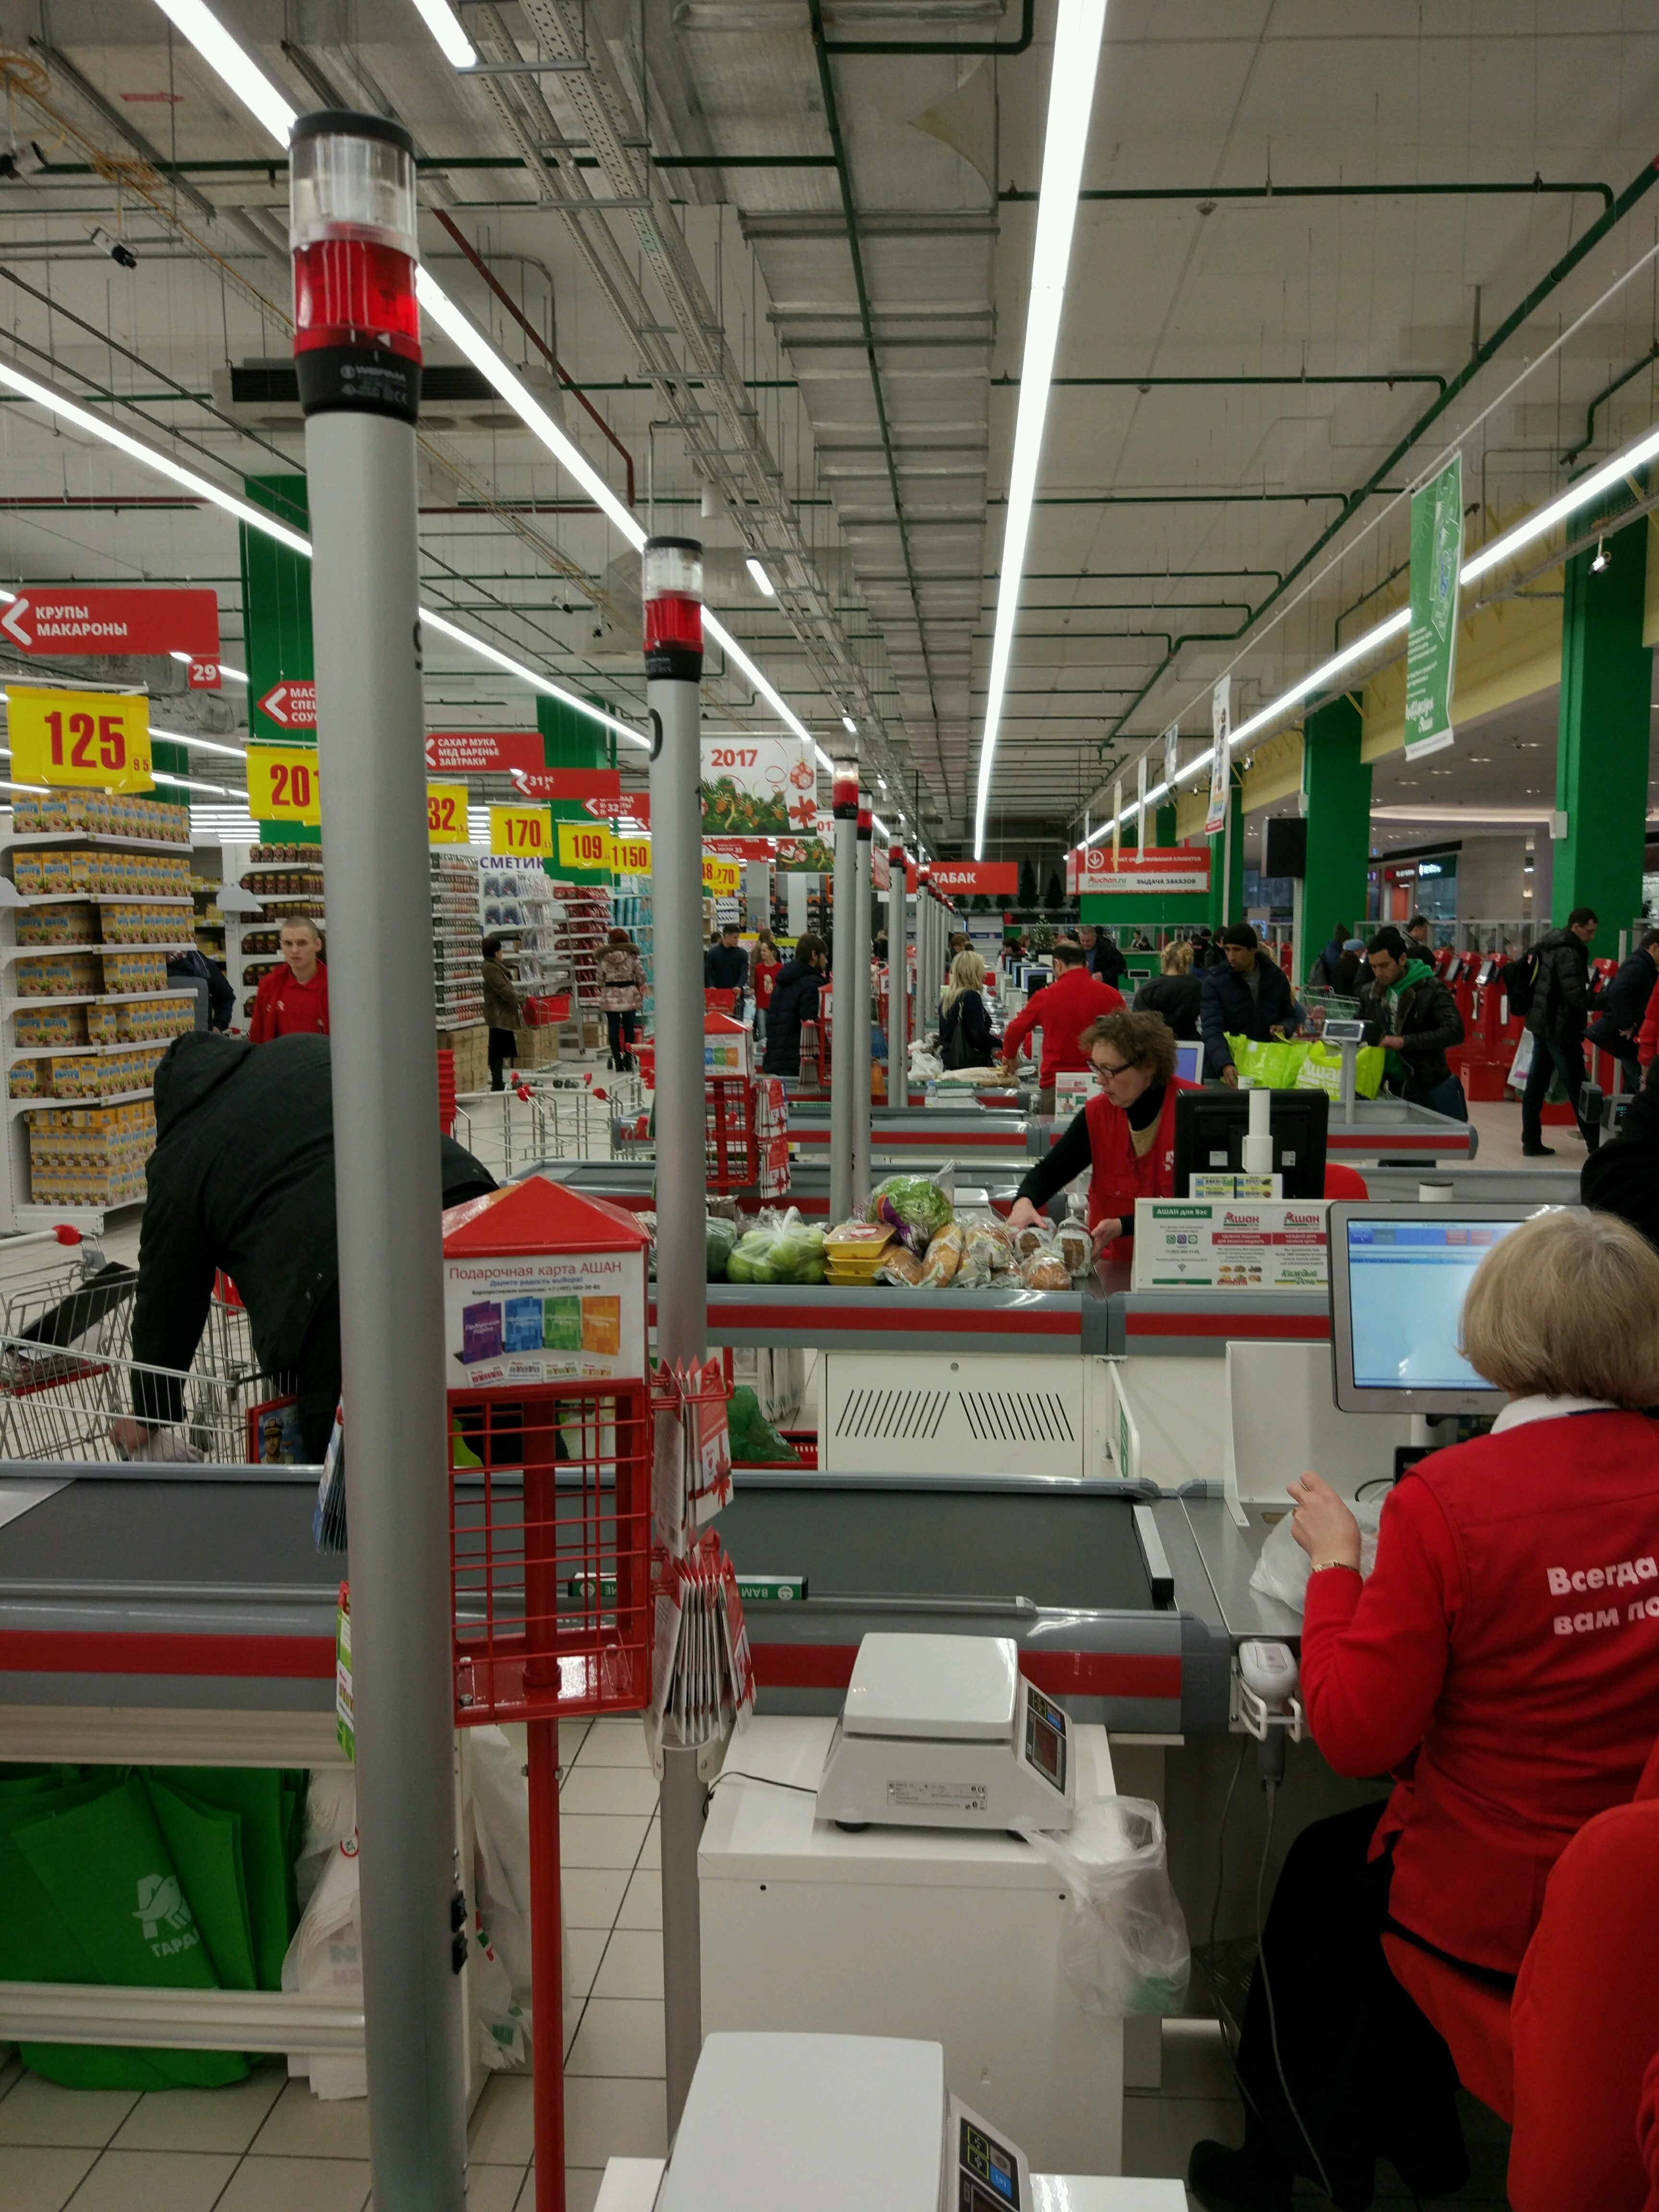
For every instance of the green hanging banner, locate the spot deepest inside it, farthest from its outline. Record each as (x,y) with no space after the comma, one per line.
(1431,656)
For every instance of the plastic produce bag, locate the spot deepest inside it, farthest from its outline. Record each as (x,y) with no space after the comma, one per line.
(1283,1569)
(924,1067)
(918,1207)
(325,1958)
(720,1240)
(1124,1949)
(781,1251)
(500,1808)
(1323,1071)
(754,1441)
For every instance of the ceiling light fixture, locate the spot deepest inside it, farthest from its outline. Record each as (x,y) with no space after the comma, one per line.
(849,725)
(452,41)
(202,744)
(236,675)
(1077,29)
(762,581)
(240,71)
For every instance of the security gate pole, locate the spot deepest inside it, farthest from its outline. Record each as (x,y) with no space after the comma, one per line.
(358,352)
(865,830)
(898,982)
(673,668)
(844,798)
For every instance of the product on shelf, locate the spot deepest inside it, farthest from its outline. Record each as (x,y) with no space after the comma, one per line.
(52,1025)
(52,871)
(91,1155)
(58,925)
(457,946)
(470,1047)
(125,924)
(135,971)
(59,975)
(101,813)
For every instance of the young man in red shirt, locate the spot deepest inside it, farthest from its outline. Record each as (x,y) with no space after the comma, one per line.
(293,999)
(1062,1009)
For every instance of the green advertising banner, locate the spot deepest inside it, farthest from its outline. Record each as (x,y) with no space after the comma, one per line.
(1431,657)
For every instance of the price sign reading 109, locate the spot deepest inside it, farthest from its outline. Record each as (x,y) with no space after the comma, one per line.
(79,738)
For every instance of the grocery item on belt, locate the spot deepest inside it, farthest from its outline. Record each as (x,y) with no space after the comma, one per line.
(943,1257)
(917,1207)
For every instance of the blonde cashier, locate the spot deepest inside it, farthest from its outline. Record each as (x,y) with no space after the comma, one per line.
(1124,1135)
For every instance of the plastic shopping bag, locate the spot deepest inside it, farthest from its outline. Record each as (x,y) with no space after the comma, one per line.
(1283,1569)
(1323,1071)
(1271,1063)
(1125,1948)
(325,1958)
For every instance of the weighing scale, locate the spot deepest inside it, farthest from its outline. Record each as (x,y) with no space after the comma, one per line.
(943,1732)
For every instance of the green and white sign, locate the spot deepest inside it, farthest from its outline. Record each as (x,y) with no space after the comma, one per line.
(1431,657)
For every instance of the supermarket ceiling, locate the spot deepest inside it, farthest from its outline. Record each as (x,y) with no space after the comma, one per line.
(783,274)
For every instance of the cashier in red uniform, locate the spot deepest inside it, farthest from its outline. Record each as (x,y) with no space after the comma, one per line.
(1126,1134)
(1062,1009)
(293,999)
(1501,1665)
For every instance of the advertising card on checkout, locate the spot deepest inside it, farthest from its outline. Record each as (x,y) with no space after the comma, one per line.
(544,1317)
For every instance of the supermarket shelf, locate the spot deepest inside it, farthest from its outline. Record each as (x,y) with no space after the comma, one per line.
(315,866)
(67,1215)
(97,998)
(10,842)
(103,898)
(47,952)
(56,1105)
(82,1051)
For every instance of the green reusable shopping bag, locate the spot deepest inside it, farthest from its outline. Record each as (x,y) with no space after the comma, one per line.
(255,1793)
(106,1868)
(206,1845)
(1322,1070)
(1271,1063)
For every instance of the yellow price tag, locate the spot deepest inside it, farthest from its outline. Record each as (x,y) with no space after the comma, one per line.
(446,814)
(520,833)
(719,876)
(584,845)
(64,738)
(633,855)
(283,784)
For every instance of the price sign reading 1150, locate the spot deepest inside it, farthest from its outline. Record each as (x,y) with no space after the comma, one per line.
(520,833)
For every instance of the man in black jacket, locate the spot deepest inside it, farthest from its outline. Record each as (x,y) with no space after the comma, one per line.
(725,965)
(1622,1176)
(242,1179)
(1409,1011)
(1556,1016)
(1245,994)
(1623,1004)
(794,999)
(1102,954)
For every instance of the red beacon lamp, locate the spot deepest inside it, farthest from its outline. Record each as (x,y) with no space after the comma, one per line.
(672,583)
(351,225)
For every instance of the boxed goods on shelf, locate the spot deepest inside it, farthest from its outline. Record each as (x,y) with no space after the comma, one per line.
(24,1079)
(91,1155)
(58,1025)
(144,1019)
(135,971)
(60,975)
(144,925)
(536,1047)
(470,1047)
(58,925)
(101,1074)
(101,814)
(51,871)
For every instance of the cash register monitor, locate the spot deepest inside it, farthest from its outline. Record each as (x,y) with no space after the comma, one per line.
(1189,1060)
(1211,1126)
(1398,1274)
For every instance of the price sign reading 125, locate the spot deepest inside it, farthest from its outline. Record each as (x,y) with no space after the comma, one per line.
(79,738)
(446,814)
(283,784)
(521,832)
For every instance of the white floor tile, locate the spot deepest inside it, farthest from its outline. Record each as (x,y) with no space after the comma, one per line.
(581,2189)
(297,2184)
(592,1896)
(154,2181)
(493,2188)
(651,1855)
(632,1964)
(39,2111)
(641,1908)
(616,1743)
(612,2118)
(225,2119)
(573,1740)
(619,2036)
(36,2179)
(503,2130)
(586,1948)
(300,2126)
(597,1839)
(599,1789)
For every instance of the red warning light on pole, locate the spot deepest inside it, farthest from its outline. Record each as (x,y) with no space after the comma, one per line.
(351,226)
(672,590)
(844,790)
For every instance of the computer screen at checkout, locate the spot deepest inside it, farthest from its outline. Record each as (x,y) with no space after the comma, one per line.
(1407,1283)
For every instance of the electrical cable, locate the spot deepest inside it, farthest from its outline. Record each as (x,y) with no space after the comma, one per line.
(1227,2022)
(1271,1789)
(736,1774)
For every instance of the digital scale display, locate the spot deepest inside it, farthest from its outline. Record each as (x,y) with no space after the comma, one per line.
(990,2178)
(1045,1738)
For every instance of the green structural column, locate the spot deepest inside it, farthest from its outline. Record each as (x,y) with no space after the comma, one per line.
(570,739)
(277,624)
(1601,759)
(1163,826)
(1336,789)
(1227,901)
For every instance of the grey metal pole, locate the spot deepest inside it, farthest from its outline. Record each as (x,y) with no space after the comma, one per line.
(898,963)
(673,585)
(845,801)
(360,466)
(861,1008)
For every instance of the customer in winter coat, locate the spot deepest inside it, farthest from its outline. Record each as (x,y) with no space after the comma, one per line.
(1624,1005)
(1176,992)
(1501,1665)
(1326,969)
(725,965)
(1245,994)
(242,1179)
(794,1000)
(1622,1176)
(1556,1016)
(500,1006)
(293,999)
(965,1036)
(622,993)
(1413,1017)
(1102,955)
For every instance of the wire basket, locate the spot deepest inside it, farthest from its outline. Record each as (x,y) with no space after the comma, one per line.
(550,1550)
(61,1401)
(1323,1005)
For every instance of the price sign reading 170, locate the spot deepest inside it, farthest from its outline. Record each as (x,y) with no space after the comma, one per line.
(520,833)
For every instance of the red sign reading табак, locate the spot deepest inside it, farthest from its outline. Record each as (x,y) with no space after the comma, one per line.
(66,621)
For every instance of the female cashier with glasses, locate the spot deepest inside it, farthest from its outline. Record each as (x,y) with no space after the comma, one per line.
(1125,1135)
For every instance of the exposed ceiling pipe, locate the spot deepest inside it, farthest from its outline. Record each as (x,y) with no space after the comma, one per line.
(1206,196)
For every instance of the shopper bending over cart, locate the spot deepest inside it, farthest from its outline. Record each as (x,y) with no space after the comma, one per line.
(242,1179)
(1500,1662)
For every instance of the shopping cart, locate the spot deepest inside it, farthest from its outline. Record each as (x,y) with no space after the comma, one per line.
(62,1401)
(1323,1005)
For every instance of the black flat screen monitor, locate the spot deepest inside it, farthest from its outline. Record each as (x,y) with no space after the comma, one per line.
(1399,1275)
(1211,1127)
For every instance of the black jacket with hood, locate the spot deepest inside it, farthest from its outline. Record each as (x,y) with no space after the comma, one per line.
(794,999)
(1622,1176)
(242,1178)
(1426,1020)
(1561,1005)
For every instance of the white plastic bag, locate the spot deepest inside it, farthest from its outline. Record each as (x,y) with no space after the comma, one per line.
(325,1958)
(1283,1569)
(330,1817)
(1125,1948)
(924,1067)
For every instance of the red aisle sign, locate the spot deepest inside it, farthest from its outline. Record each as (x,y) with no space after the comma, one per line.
(292,704)
(964,879)
(485,752)
(630,806)
(592,787)
(66,620)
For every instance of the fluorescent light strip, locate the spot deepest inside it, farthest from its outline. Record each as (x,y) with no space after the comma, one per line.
(1479,564)
(452,41)
(758,576)
(1077,29)
(238,70)
(202,744)
(236,675)
(504,661)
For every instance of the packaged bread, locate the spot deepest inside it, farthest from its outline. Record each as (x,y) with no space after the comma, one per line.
(1045,1271)
(1077,1247)
(900,1266)
(943,1257)
(985,1253)
(1030,1239)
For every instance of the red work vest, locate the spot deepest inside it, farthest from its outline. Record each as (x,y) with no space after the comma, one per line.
(1120,1174)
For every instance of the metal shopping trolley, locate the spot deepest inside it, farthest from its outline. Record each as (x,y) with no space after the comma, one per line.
(61,1401)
